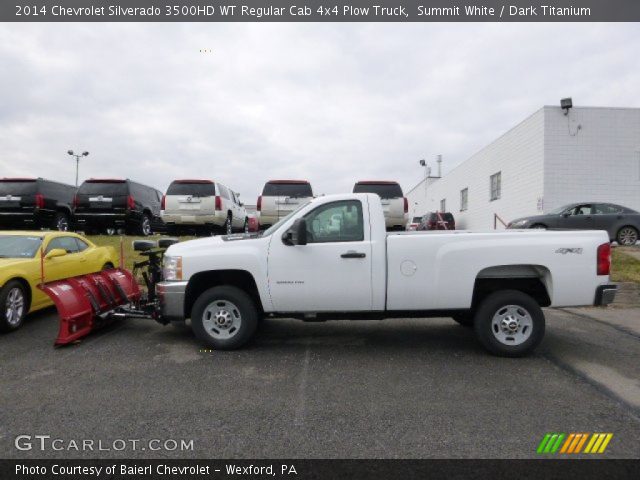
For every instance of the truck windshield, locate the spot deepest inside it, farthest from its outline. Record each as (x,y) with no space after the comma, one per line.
(18,246)
(276,225)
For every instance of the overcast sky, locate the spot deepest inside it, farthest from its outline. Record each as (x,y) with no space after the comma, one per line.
(332,103)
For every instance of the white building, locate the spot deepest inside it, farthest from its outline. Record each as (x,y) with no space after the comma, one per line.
(548,160)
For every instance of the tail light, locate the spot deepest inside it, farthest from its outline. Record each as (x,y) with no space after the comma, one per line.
(131,202)
(218,202)
(76,201)
(406,205)
(39,200)
(604,259)
(163,202)
(259,204)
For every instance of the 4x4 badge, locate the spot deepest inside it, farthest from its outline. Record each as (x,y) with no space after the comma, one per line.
(564,251)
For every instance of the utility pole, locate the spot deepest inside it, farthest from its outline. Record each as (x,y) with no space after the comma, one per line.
(427,172)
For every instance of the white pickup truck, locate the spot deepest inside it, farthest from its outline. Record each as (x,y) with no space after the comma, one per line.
(332,259)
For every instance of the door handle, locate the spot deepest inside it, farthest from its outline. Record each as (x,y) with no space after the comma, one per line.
(353,254)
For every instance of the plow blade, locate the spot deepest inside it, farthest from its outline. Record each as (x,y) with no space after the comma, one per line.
(85,302)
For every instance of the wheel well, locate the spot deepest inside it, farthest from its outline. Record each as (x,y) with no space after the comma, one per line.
(626,226)
(204,280)
(27,289)
(540,224)
(534,280)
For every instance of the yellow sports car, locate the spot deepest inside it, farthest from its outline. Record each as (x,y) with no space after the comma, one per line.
(66,255)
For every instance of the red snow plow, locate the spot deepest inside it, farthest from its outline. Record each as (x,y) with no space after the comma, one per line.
(91,301)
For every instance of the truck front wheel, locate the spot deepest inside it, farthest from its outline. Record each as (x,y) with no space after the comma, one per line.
(224,318)
(509,323)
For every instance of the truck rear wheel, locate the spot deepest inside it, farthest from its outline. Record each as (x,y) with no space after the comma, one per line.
(509,323)
(224,318)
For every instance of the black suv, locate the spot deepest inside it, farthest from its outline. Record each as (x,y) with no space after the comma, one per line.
(35,203)
(107,205)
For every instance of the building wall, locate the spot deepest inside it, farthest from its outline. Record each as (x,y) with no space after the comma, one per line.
(518,155)
(600,161)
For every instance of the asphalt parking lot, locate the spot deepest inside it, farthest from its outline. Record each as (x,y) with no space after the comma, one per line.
(390,389)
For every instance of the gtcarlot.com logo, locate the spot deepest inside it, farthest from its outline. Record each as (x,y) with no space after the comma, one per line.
(573,443)
(47,442)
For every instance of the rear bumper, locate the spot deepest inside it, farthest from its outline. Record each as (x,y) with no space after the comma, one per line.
(171,300)
(102,220)
(605,295)
(184,219)
(26,218)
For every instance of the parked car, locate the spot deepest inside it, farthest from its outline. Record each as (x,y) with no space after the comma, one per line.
(202,205)
(437,221)
(394,204)
(497,282)
(621,223)
(413,224)
(106,205)
(280,197)
(35,203)
(66,255)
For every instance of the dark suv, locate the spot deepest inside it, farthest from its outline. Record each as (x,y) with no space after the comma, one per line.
(107,205)
(35,203)
(437,221)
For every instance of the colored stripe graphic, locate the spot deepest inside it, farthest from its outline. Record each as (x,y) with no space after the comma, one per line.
(573,443)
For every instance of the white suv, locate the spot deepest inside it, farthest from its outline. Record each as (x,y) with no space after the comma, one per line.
(280,197)
(202,205)
(394,204)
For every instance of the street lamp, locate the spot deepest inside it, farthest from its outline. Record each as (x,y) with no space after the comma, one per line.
(83,154)
(427,172)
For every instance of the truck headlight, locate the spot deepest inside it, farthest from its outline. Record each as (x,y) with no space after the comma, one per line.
(172,268)
(519,224)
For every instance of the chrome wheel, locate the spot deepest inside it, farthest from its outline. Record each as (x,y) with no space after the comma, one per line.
(62,224)
(246,226)
(14,307)
(628,236)
(512,325)
(146,226)
(221,319)
(229,225)
(110,231)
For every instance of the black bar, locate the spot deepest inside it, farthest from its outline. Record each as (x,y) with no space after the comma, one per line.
(320,11)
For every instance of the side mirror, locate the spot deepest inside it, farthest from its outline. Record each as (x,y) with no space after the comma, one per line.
(56,252)
(297,233)
(566,214)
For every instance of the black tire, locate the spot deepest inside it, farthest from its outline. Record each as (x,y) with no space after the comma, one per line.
(245,228)
(61,222)
(107,266)
(499,304)
(144,227)
(627,236)
(465,319)
(208,331)
(8,324)
(538,226)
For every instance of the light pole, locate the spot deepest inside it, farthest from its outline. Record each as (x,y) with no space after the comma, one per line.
(83,154)
(427,172)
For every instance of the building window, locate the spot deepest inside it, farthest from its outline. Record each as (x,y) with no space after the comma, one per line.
(443,205)
(496,185)
(464,199)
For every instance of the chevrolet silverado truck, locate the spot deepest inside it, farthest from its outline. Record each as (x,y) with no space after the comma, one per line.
(332,258)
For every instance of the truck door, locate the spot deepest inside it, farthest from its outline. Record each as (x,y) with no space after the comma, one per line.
(333,271)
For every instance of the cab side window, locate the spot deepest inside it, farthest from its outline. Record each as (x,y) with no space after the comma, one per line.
(336,222)
(82,245)
(67,244)
(581,210)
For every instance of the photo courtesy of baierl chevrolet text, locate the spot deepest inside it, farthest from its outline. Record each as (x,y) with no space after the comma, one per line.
(344,239)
